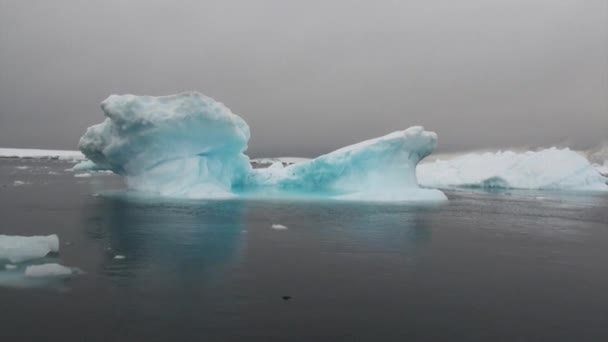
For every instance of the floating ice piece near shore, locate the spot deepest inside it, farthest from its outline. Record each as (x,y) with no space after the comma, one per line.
(19,183)
(119,257)
(82,175)
(22,167)
(16,248)
(553,168)
(10,266)
(40,154)
(279,226)
(190,146)
(48,270)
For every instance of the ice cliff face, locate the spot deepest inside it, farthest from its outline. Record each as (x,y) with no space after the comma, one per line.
(549,169)
(189,145)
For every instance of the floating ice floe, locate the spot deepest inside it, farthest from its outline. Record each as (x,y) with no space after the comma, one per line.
(82,175)
(190,146)
(48,270)
(277,226)
(22,248)
(19,183)
(549,169)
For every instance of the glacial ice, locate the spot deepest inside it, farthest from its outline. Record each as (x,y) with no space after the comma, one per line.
(190,146)
(549,169)
(22,248)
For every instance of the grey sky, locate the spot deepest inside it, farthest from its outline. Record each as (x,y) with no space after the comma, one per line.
(311,76)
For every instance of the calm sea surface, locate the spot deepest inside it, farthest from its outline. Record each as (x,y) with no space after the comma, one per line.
(505,266)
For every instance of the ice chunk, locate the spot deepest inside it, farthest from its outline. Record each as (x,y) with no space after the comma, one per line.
(119,257)
(48,270)
(82,175)
(551,168)
(277,226)
(185,145)
(10,266)
(188,145)
(19,183)
(22,167)
(16,248)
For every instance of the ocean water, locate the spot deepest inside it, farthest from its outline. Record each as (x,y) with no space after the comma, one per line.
(500,266)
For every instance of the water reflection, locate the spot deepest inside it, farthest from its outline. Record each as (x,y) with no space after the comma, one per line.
(179,242)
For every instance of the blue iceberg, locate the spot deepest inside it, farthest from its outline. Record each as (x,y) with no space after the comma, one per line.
(190,146)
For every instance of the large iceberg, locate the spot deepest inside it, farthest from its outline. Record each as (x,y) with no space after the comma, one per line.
(188,145)
(549,169)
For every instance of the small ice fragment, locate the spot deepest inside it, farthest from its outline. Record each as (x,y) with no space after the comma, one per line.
(279,226)
(16,248)
(48,270)
(119,257)
(10,266)
(18,183)
(276,165)
(82,175)
(22,167)
(53,173)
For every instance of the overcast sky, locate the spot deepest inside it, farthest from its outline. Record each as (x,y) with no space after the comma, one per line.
(311,76)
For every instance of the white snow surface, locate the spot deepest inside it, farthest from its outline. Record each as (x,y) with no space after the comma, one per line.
(48,270)
(549,169)
(15,248)
(40,153)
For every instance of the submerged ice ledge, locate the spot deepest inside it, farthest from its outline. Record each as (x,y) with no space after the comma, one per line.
(190,146)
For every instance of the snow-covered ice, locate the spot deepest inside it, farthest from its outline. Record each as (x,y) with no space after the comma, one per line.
(16,248)
(553,168)
(38,153)
(191,146)
(48,270)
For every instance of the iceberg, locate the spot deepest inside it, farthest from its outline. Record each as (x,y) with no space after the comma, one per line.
(548,169)
(190,146)
(23,248)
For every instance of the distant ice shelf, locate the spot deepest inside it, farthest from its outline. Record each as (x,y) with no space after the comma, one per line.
(40,154)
